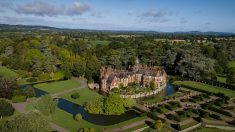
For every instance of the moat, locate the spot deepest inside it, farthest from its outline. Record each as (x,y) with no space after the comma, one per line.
(99,119)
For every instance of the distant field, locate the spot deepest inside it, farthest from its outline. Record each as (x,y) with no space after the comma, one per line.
(6,72)
(209,88)
(57,86)
(102,42)
(85,95)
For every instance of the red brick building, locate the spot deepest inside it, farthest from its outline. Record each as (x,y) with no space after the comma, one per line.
(143,75)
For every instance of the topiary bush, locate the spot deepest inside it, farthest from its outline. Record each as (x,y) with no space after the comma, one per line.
(78,117)
(75,95)
(19,98)
(6,108)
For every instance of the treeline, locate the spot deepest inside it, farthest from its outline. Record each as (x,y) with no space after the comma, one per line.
(48,54)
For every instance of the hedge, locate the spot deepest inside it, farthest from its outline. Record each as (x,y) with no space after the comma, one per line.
(219,111)
(19,98)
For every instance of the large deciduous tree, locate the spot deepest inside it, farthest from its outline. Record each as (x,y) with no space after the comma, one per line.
(7,87)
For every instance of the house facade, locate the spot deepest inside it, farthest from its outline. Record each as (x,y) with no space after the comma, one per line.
(143,75)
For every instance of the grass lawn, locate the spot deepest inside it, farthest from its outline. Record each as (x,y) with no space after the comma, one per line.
(210,88)
(205,129)
(85,95)
(57,86)
(66,120)
(6,72)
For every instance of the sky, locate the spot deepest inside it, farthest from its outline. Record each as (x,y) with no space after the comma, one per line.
(144,15)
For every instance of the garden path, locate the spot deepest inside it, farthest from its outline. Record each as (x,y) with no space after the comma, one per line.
(130,125)
(21,108)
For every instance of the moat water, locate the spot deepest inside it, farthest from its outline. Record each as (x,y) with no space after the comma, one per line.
(98,119)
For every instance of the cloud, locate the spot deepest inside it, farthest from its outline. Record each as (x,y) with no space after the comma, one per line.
(97,14)
(5,5)
(183,21)
(154,14)
(39,8)
(78,8)
(208,23)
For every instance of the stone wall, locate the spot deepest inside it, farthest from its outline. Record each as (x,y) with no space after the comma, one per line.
(140,95)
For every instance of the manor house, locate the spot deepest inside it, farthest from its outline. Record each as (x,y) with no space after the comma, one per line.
(143,75)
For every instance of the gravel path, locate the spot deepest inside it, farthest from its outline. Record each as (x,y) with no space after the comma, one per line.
(129,126)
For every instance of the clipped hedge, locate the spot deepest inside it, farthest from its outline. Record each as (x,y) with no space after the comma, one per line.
(19,98)
(219,111)
(75,95)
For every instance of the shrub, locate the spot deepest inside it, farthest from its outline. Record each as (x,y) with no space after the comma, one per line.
(58,76)
(44,77)
(86,130)
(217,117)
(29,92)
(19,98)
(221,111)
(152,115)
(75,95)
(6,108)
(78,117)
(32,79)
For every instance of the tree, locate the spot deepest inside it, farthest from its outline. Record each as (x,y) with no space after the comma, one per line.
(7,87)
(95,107)
(86,130)
(6,108)
(129,102)
(46,105)
(231,76)
(158,125)
(114,105)
(27,122)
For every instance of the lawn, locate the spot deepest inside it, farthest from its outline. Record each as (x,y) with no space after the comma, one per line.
(66,120)
(6,72)
(206,87)
(57,86)
(85,95)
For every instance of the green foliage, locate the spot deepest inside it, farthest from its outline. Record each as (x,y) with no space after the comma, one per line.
(86,130)
(129,102)
(44,77)
(7,87)
(158,125)
(58,76)
(19,98)
(6,108)
(152,85)
(78,117)
(32,79)
(75,95)
(114,105)
(95,107)
(27,122)
(46,105)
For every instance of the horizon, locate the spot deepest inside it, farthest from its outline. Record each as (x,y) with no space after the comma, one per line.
(130,15)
